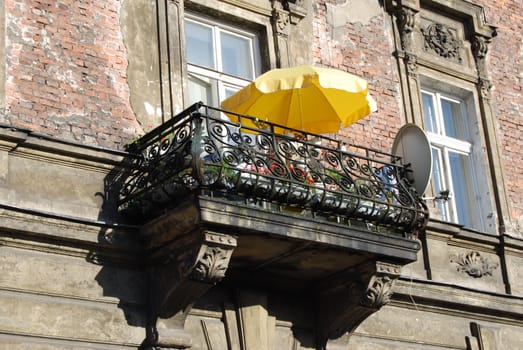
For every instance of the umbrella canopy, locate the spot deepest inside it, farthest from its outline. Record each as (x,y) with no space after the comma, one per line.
(313,99)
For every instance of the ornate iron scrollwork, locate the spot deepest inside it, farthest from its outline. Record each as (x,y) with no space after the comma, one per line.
(249,160)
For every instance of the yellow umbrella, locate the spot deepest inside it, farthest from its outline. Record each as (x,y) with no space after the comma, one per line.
(313,99)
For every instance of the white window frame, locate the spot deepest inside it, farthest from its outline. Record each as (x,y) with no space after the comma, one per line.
(444,145)
(222,81)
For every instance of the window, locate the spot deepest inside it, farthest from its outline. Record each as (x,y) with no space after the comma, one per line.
(447,127)
(221,59)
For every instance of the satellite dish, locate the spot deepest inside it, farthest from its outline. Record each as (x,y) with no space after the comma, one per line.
(412,145)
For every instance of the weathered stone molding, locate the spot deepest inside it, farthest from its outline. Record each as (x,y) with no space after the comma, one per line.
(281,20)
(285,12)
(485,86)
(186,271)
(411,62)
(479,50)
(406,20)
(344,302)
(379,290)
(213,260)
(443,41)
(473,264)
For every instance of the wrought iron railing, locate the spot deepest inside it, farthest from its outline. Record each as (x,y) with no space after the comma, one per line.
(202,151)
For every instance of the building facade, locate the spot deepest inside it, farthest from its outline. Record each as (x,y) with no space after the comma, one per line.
(104,246)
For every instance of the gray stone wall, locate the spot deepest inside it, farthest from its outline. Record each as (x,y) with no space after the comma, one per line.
(69,277)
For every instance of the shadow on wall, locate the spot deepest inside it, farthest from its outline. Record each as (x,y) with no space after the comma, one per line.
(120,255)
(232,316)
(229,316)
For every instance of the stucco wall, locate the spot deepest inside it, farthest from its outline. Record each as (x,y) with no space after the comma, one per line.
(69,274)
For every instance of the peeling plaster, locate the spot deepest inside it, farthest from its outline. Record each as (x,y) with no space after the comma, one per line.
(2,59)
(138,25)
(351,11)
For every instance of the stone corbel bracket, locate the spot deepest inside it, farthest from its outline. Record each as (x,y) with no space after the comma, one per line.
(344,302)
(407,21)
(296,11)
(283,13)
(196,262)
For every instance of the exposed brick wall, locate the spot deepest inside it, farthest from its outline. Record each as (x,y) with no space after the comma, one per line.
(66,71)
(364,50)
(66,75)
(505,65)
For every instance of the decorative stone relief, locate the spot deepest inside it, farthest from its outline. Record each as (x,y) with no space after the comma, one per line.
(190,268)
(378,293)
(473,264)
(281,20)
(442,40)
(345,301)
(211,266)
(379,289)
(412,65)
(480,49)
(211,259)
(283,13)
(484,87)
(406,18)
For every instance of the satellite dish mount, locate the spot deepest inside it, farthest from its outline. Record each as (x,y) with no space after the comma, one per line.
(413,147)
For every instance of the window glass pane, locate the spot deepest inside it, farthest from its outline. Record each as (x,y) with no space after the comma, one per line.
(452,118)
(213,49)
(229,91)
(439,186)
(199,90)
(429,113)
(236,55)
(200,47)
(458,165)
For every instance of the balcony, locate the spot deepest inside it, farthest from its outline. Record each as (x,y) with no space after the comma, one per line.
(271,167)
(301,212)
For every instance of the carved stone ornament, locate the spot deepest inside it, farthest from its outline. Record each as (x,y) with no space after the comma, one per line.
(480,49)
(281,20)
(484,87)
(473,264)
(406,19)
(346,301)
(442,40)
(196,262)
(212,264)
(378,293)
(412,65)
(211,260)
(285,12)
